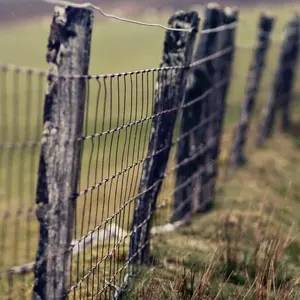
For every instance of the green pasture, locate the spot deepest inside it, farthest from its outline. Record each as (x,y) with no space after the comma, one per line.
(116,47)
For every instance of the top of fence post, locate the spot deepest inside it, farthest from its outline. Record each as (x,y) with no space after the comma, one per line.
(211,20)
(68,54)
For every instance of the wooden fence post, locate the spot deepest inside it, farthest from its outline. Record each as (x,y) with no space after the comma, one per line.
(68,54)
(254,78)
(178,48)
(226,41)
(288,73)
(188,176)
(283,82)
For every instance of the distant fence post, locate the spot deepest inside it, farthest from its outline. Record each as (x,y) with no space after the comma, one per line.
(225,63)
(188,176)
(288,73)
(283,82)
(68,54)
(254,78)
(178,48)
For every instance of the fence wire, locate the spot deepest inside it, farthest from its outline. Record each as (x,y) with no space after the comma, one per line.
(118,117)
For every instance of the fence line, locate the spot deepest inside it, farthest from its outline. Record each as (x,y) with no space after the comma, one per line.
(106,150)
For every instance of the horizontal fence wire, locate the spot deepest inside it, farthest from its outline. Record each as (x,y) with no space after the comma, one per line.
(119,112)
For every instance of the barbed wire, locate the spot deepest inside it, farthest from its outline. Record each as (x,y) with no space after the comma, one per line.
(89,5)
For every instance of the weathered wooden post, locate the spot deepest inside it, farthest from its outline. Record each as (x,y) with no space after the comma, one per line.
(189,176)
(226,41)
(171,82)
(283,82)
(68,58)
(254,78)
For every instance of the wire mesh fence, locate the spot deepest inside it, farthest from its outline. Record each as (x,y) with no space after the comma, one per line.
(110,160)
(112,164)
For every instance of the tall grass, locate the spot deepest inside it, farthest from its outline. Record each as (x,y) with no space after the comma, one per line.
(249,263)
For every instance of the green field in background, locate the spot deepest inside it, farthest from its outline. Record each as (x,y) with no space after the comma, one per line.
(116,47)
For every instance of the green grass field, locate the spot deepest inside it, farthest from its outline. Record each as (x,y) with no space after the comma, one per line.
(272,173)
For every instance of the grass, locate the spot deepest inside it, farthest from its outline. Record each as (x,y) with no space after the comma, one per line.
(248,246)
(271,173)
